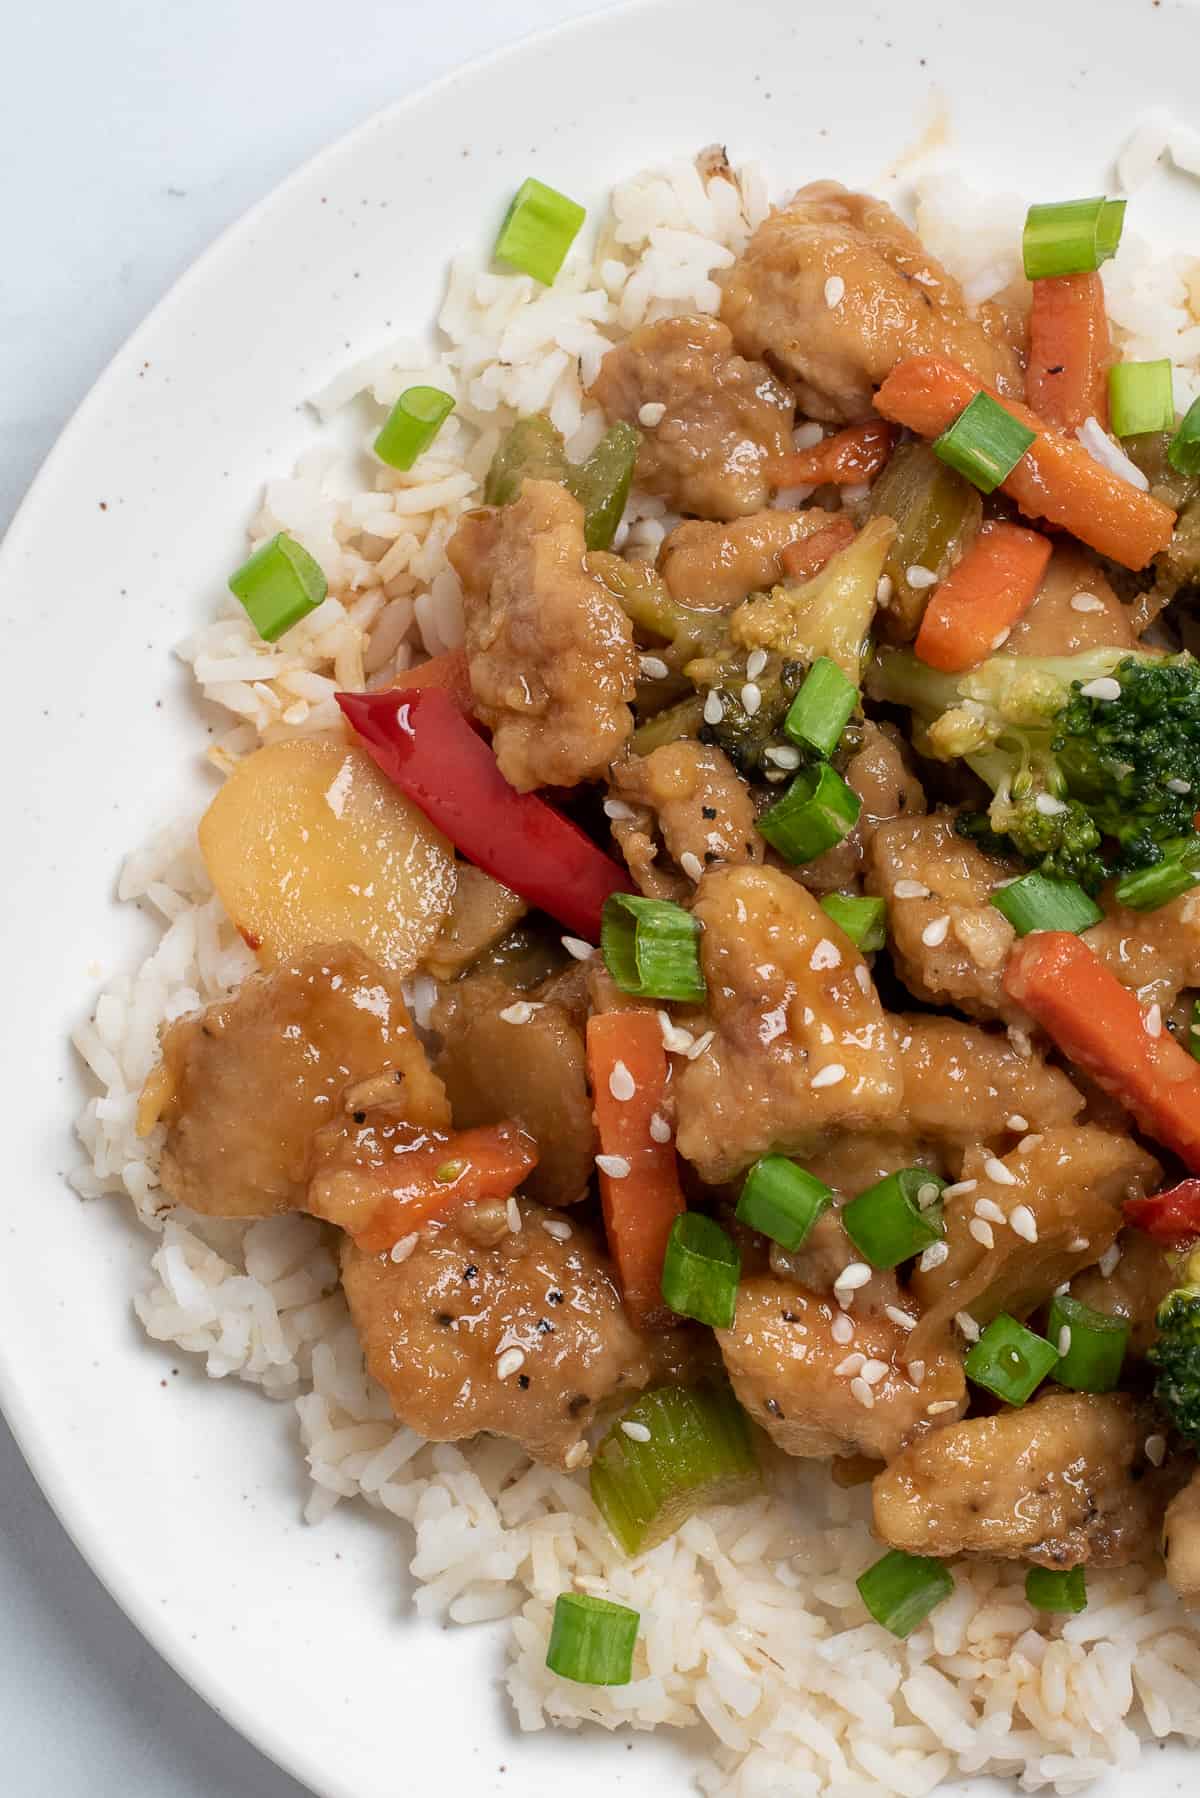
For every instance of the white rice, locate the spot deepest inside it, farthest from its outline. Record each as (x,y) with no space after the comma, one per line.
(751,1623)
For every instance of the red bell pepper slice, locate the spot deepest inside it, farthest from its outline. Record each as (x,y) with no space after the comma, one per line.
(422,742)
(1170,1216)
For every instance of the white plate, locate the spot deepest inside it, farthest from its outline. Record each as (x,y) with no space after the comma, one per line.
(185,1495)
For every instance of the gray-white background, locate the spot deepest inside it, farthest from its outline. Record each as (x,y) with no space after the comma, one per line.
(131,133)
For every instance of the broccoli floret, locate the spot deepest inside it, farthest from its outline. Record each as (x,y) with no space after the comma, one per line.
(1176,1353)
(747,736)
(1083,785)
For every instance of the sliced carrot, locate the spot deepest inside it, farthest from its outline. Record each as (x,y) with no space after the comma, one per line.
(448,672)
(1101,1026)
(1055,479)
(850,456)
(806,557)
(1069,351)
(975,607)
(625,1050)
(434,1174)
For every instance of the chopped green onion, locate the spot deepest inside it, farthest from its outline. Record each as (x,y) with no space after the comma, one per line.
(863,920)
(1091,1344)
(897,1218)
(650,947)
(1193,1032)
(279,585)
(782,1201)
(1141,397)
(592,1640)
(602,483)
(1047,1589)
(539,228)
(984,443)
(690,1447)
(1178,872)
(1009,1360)
(700,1271)
(1071,237)
(815,813)
(1036,902)
(412,424)
(901,1589)
(821,709)
(1183,451)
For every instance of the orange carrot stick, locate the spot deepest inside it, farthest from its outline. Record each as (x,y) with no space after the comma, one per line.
(448,672)
(976,606)
(437,1174)
(849,457)
(1069,351)
(1055,479)
(1101,1026)
(624,1049)
(809,555)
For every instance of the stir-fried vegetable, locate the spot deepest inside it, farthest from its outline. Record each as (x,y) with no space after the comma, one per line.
(971,613)
(592,1640)
(1069,351)
(412,424)
(1171,1216)
(936,513)
(1055,479)
(436,1174)
(1048,1589)
(1176,1353)
(1091,1344)
(279,585)
(1010,1361)
(829,615)
(984,443)
(822,708)
(1177,873)
(782,1201)
(897,1218)
(539,228)
(846,459)
(533,451)
(1035,902)
(675,1451)
(863,920)
(651,948)
(1071,237)
(901,1589)
(701,1271)
(1141,397)
(421,741)
(806,557)
(815,813)
(1183,452)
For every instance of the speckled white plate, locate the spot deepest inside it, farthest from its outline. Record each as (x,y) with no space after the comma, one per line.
(185,1495)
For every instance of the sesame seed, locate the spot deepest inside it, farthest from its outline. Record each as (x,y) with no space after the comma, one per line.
(1156,1450)
(714,708)
(1086,602)
(520,1012)
(1048,805)
(960,1189)
(615,1166)
(928,1195)
(1064,1341)
(990,1211)
(403,1249)
(1019,1040)
(652,413)
(916,1372)
(1016,1122)
(998,1173)
(621,1083)
(676,1040)
(575,946)
(851,1365)
(1059,1290)
(1001,638)
(900,1318)
(842,1328)
(910,889)
(751,698)
(1029,1143)
(1022,1220)
(700,1045)
(636,1432)
(1104,688)
(862,977)
(575,1456)
(557,1227)
(982,1232)
(934,1255)
(660,1129)
(825,955)
(835,291)
(1153,1021)
(691,864)
(512,1212)
(967,1325)
(920,577)
(1178,786)
(509,1363)
(830,1075)
(883,589)
(852,1276)
(1108,1261)
(784,755)
(756,661)
(863,1393)
(940,1406)
(653,667)
(617,809)
(874,1371)
(1078,1245)
(934,934)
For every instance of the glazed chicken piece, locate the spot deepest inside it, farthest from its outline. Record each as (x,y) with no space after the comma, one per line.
(1061,1199)
(833,290)
(549,648)
(799,1042)
(519,1334)
(1061,1482)
(506,1056)
(723,418)
(716,565)
(689,794)
(1055,625)
(888,789)
(1156,953)
(1134,1288)
(1181,1539)
(805,1387)
(850,1161)
(966,1085)
(949,944)
(243,1085)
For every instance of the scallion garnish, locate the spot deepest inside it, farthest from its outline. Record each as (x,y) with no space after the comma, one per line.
(651,947)
(701,1270)
(897,1218)
(782,1201)
(1178,872)
(901,1589)
(815,813)
(539,228)
(1183,451)
(1071,237)
(1091,1344)
(1193,1032)
(984,443)
(1009,1360)
(1036,902)
(690,1447)
(1048,1589)
(1141,397)
(863,920)
(821,709)
(279,585)
(592,1640)
(412,424)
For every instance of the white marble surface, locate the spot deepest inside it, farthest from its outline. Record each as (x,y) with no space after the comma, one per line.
(130,135)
